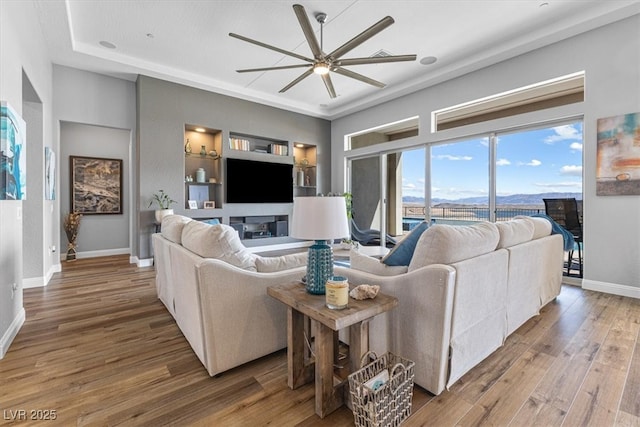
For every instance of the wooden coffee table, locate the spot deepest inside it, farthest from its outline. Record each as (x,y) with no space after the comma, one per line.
(302,369)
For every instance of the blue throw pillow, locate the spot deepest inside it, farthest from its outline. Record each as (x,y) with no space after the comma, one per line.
(401,254)
(213,221)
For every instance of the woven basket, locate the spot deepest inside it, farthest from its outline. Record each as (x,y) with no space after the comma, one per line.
(390,403)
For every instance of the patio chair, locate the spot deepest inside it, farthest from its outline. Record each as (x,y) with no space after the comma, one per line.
(369,236)
(565,213)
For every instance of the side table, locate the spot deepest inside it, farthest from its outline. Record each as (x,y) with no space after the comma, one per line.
(301,305)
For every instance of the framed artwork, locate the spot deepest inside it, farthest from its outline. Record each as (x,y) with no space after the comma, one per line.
(49,174)
(13,154)
(618,156)
(193,204)
(96,185)
(209,204)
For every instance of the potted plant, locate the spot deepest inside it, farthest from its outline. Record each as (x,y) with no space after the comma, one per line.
(164,202)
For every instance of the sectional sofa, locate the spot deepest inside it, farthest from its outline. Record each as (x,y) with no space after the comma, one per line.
(463,291)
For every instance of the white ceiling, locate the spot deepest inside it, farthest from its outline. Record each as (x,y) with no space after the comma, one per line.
(187,41)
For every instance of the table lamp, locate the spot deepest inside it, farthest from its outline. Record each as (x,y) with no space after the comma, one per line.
(320,219)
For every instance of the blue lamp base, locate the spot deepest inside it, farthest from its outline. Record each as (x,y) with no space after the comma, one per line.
(319,267)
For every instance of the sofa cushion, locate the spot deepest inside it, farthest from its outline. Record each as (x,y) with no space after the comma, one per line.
(372,265)
(514,232)
(219,241)
(280,263)
(403,251)
(172,225)
(541,226)
(447,244)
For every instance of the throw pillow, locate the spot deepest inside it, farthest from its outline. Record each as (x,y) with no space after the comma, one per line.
(403,251)
(213,221)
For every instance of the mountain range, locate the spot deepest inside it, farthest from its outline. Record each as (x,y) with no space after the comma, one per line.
(513,199)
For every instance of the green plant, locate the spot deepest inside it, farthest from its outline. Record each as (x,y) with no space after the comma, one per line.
(162,199)
(348,197)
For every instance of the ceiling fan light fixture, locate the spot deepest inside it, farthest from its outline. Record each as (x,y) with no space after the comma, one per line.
(321,68)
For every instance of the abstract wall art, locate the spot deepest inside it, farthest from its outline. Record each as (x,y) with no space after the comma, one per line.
(618,155)
(49,174)
(13,159)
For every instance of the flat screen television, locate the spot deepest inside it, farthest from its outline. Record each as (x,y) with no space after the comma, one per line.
(250,181)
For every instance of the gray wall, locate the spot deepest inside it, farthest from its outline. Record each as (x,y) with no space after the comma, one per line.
(97,115)
(610,56)
(163,110)
(99,234)
(23,53)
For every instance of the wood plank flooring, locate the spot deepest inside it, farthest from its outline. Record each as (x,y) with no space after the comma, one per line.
(98,348)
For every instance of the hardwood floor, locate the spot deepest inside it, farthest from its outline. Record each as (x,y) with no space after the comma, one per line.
(99,348)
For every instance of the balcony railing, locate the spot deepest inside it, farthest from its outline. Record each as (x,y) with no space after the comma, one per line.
(462,214)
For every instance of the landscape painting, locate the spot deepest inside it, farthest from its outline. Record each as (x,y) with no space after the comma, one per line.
(618,156)
(13,159)
(96,185)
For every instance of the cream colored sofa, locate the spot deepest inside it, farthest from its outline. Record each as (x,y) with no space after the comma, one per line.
(216,290)
(464,291)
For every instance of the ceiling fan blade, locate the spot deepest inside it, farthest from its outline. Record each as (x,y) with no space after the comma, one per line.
(298,80)
(362,37)
(374,60)
(277,49)
(303,19)
(329,85)
(284,67)
(365,79)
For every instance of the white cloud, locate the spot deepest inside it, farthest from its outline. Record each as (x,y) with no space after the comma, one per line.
(558,186)
(563,133)
(502,162)
(453,158)
(576,146)
(572,170)
(534,162)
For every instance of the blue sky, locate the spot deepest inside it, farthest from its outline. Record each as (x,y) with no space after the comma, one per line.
(531,162)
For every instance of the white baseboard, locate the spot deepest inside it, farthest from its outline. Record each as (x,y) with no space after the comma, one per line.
(95,254)
(34,282)
(611,288)
(11,333)
(145,262)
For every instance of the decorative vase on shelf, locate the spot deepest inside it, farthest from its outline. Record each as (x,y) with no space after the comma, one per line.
(200,175)
(203,150)
(300,178)
(161,213)
(187,147)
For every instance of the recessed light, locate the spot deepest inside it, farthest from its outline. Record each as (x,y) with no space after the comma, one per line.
(200,130)
(107,44)
(428,60)
(300,145)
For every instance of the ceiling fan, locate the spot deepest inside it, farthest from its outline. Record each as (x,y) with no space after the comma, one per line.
(322,63)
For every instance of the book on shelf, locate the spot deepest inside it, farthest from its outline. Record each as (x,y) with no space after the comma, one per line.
(279,149)
(239,144)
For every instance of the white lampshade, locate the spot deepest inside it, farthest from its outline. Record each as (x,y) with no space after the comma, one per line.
(319,218)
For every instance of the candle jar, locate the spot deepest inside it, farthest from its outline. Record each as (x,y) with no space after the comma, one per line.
(337,293)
